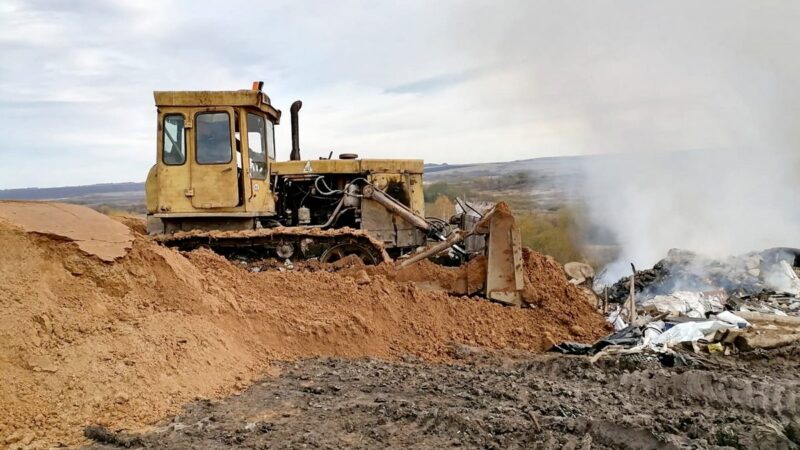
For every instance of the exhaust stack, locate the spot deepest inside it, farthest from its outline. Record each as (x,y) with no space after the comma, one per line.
(295,155)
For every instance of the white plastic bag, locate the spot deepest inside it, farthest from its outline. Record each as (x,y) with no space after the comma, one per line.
(690,332)
(733,319)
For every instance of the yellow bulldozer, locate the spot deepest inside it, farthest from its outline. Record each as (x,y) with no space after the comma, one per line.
(217,184)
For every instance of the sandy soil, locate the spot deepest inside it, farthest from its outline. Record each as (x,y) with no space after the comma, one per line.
(91,231)
(486,400)
(126,343)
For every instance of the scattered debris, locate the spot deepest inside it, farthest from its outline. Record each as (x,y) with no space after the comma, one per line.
(579,273)
(724,332)
(683,303)
(687,301)
(615,319)
(707,321)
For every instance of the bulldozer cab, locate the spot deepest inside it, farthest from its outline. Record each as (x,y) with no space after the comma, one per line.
(213,154)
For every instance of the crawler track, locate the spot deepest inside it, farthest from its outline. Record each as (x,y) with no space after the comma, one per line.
(305,243)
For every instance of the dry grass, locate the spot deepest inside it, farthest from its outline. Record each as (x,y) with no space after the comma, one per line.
(555,234)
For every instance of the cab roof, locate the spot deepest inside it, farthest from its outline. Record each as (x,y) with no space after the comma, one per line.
(245,97)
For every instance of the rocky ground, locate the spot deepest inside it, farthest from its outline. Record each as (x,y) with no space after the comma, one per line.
(488,400)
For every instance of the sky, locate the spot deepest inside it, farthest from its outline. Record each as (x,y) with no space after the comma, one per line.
(446,81)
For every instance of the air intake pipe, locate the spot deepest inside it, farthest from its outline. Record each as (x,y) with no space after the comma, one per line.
(295,155)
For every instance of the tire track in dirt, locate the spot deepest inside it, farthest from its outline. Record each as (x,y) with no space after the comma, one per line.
(701,387)
(486,400)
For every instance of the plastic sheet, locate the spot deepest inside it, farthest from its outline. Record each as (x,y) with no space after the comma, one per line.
(690,332)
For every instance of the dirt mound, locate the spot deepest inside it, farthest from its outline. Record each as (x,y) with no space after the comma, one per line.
(94,233)
(427,275)
(546,283)
(126,343)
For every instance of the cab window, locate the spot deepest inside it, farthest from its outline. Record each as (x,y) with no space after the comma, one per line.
(213,138)
(257,143)
(271,140)
(174,142)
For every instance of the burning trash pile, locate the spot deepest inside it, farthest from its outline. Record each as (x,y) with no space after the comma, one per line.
(689,301)
(764,281)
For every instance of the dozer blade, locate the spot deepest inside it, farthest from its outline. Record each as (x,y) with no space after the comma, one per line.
(498,273)
(504,276)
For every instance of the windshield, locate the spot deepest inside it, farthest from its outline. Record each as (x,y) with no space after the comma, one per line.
(213,138)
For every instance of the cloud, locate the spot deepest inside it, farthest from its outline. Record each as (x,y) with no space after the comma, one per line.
(451,81)
(430,85)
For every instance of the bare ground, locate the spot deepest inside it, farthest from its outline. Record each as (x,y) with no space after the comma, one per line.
(487,400)
(127,341)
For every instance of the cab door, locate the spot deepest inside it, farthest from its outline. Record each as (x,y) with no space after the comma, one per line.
(214,177)
(174,165)
(259,147)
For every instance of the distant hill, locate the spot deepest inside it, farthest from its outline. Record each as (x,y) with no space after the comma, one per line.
(431,168)
(545,182)
(104,197)
(556,165)
(66,192)
(435,171)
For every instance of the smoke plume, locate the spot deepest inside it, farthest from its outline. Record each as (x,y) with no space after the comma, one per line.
(717,203)
(717,172)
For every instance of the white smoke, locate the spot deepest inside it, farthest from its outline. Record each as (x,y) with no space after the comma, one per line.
(709,152)
(717,203)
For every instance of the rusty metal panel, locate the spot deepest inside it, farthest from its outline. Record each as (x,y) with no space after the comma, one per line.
(411,185)
(376,220)
(388,225)
(392,230)
(391,165)
(410,237)
(416,194)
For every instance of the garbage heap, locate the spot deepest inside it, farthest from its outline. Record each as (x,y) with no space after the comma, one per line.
(765,281)
(703,305)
